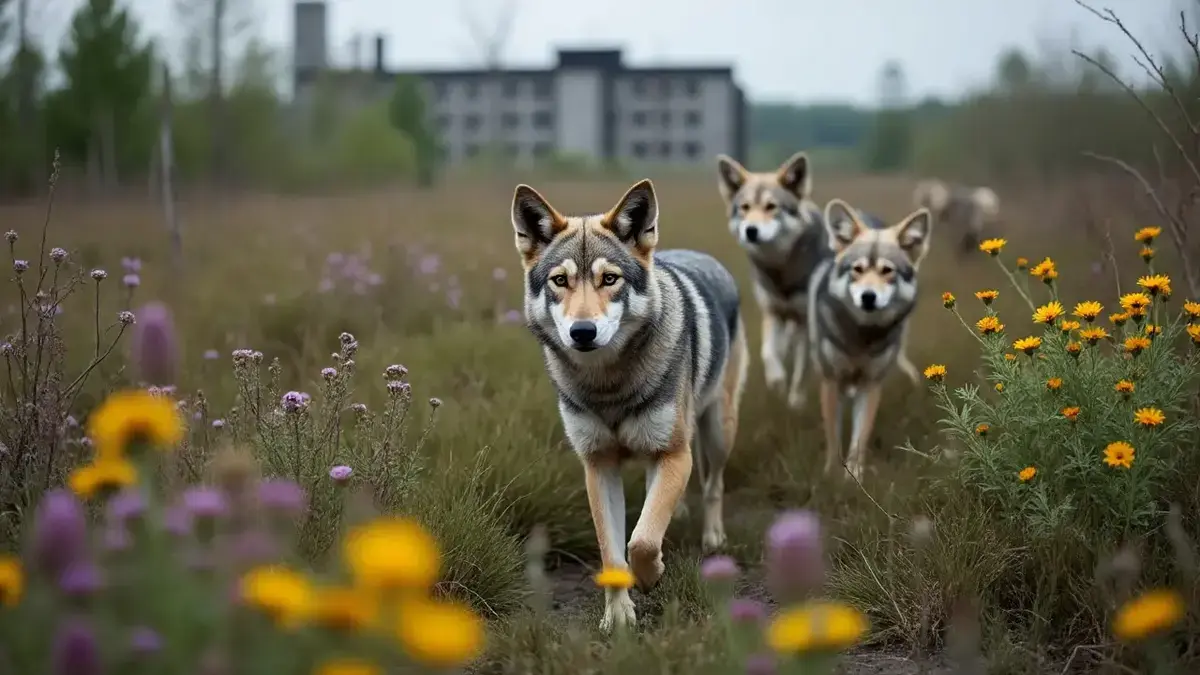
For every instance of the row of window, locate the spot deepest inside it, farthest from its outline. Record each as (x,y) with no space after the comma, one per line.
(665,150)
(543,87)
(542,119)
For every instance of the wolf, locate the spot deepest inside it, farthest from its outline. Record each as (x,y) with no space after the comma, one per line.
(860,301)
(647,352)
(782,231)
(968,210)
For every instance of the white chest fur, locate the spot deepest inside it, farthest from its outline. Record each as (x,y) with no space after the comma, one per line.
(646,432)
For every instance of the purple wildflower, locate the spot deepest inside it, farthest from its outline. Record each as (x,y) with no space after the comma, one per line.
(719,568)
(359,408)
(20,266)
(396,386)
(760,664)
(116,538)
(395,372)
(293,402)
(211,355)
(154,346)
(131,281)
(6,348)
(80,579)
(281,495)
(269,299)
(429,264)
(512,316)
(499,274)
(253,547)
(126,318)
(177,521)
(744,610)
(99,274)
(329,373)
(205,502)
(75,649)
(218,424)
(144,640)
(58,254)
(795,555)
(71,422)
(340,473)
(126,505)
(131,265)
(59,531)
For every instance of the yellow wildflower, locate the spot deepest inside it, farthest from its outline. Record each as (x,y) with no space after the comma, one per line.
(1088,310)
(1054,383)
(1147,253)
(1044,269)
(1153,330)
(816,626)
(1149,417)
(1147,235)
(392,553)
(987,297)
(1073,348)
(1022,263)
(136,416)
(1071,412)
(343,608)
(280,592)
(12,580)
(1027,344)
(1124,387)
(988,325)
(1092,334)
(1068,326)
(1010,357)
(992,246)
(982,429)
(439,634)
(1119,319)
(936,372)
(1148,614)
(614,577)
(999,386)
(1027,474)
(1049,312)
(1119,454)
(1193,331)
(1131,302)
(1192,309)
(1134,344)
(948,300)
(1158,284)
(348,667)
(104,476)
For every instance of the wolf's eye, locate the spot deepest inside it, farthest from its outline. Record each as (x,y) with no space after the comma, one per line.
(769,207)
(859,269)
(559,280)
(609,279)
(745,207)
(886,269)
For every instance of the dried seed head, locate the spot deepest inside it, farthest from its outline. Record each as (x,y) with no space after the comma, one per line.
(10,236)
(329,374)
(395,372)
(58,254)
(345,339)
(435,402)
(359,409)
(126,318)
(99,274)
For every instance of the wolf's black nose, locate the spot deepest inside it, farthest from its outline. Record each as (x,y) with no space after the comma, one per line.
(583,332)
(751,233)
(868,300)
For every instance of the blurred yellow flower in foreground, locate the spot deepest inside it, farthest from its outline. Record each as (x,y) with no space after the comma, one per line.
(392,553)
(440,634)
(346,609)
(1148,614)
(348,667)
(135,416)
(282,593)
(816,626)
(106,474)
(12,580)
(613,577)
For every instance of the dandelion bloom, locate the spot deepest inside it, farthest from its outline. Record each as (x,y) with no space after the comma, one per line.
(1119,454)
(614,577)
(1074,348)
(135,416)
(102,476)
(348,667)
(1088,310)
(989,325)
(1027,474)
(1119,319)
(440,634)
(1192,309)
(999,387)
(1054,383)
(344,609)
(1193,331)
(1071,412)
(936,372)
(1132,302)
(1068,326)
(988,296)
(982,429)
(282,593)
(1022,263)
(1147,253)
(1157,284)
(1043,269)
(392,553)
(1124,387)
(948,300)
(1049,312)
(1093,334)
(992,246)
(1027,344)
(1147,235)
(1134,344)
(816,626)
(1149,417)
(12,580)
(1148,614)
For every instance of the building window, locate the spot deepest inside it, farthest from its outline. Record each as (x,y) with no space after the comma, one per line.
(664,149)
(472,122)
(691,87)
(512,150)
(543,88)
(510,120)
(638,119)
(542,149)
(471,90)
(691,149)
(472,149)
(640,150)
(542,120)
(665,116)
(439,91)
(639,86)
(443,122)
(692,119)
(664,87)
(511,88)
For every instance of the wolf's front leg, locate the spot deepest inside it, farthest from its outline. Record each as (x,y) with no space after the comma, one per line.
(777,337)
(671,470)
(606,498)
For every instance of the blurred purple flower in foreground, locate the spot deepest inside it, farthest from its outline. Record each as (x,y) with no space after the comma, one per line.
(144,641)
(760,664)
(429,264)
(80,579)
(205,502)
(75,649)
(795,555)
(131,281)
(282,496)
(719,568)
(131,265)
(153,345)
(59,531)
(744,610)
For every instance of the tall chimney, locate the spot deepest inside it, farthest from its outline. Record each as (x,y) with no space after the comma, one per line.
(379,54)
(309,48)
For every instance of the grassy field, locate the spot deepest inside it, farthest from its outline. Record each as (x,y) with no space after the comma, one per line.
(431,280)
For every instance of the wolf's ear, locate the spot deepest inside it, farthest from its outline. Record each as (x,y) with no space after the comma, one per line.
(842,223)
(795,176)
(635,218)
(912,234)
(535,223)
(731,176)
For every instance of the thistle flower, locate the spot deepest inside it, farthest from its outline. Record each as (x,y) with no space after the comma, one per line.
(75,650)
(153,348)
(131,281)
(80,579)
(58,254)
(126,318)
(328,374)
(795,554)
(59,531)
(282,496)
(205,503)
(131,264)
(719,568)
(744,610)
(359,409)
(99,274)
(395,372)
(20,266)
(435,403)
(218,424)
(294,402)
(126,505)
(341,473)
(177,521)
(398,388)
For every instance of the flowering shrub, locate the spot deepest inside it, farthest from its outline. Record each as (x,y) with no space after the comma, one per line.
(1086,417)
(207,579)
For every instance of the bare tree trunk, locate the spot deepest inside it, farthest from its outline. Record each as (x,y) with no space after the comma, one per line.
(25,86)
(217,95)
(166,165)
(108,148)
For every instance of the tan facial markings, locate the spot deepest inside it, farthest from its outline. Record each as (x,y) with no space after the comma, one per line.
(585,301)
(606,276)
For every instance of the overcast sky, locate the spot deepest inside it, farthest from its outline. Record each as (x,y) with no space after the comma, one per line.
(795,50)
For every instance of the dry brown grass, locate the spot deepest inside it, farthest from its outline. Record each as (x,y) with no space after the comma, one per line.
(500,436)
